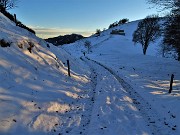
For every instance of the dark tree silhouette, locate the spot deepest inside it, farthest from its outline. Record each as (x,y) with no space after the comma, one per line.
(123,21)
(98,32)
(148,30)
(7,4)
(172,34)
(163,4)
(172,25)
(87,44)
(113,25)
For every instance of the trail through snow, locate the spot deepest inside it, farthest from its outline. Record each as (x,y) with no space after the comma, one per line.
(118,91)
(154,121)
(116,108)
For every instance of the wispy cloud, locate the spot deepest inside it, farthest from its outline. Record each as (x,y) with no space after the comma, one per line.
(53,32)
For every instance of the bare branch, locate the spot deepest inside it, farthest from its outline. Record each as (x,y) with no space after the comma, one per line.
(8,4)
(163,4)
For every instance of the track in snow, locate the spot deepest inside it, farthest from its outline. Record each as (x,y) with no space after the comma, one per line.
(154,121)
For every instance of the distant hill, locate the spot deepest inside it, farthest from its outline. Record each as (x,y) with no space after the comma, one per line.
(66,39)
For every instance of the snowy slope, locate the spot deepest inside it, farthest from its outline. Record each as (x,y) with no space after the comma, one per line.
(36,95)
(115,90)
(146,78)
(126,41)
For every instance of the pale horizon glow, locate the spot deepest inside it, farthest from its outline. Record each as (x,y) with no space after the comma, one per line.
(54,32)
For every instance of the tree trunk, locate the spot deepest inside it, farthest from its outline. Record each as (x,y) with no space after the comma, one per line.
(145,49)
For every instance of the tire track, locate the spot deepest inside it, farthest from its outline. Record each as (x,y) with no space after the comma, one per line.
(154,121)
(88,103)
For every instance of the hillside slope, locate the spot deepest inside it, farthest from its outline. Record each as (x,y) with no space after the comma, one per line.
(113,90)
(146,76)
(36,94)
(126,41)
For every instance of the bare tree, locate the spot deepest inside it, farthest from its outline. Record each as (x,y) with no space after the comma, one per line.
(148,30)
(7,4)
(172,25)
(162,4)
(171,5)
(87,44)
(172,34)
(176,9)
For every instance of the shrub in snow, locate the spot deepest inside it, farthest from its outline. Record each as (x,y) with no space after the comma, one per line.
(123,21)
(48,45)
(31,45)
(98,32)
(113,25)
(3,43)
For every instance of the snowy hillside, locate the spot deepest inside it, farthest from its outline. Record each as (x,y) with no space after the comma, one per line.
(36,95)
(126,41)
(114,90)
(145,78)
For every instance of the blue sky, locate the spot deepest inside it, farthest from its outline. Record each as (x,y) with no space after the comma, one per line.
(58,17)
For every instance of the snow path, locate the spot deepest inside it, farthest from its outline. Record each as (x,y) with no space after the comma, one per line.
(148,77)
(123,110)
(114,111)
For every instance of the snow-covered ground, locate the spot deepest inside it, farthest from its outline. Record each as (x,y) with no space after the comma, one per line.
(115,90)
(148,76)
(36,94)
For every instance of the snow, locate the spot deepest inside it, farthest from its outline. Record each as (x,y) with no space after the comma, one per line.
(149,76)
(114,111)
(36,94)
(113,90)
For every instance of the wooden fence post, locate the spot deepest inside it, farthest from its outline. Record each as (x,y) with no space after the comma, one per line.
(171,83)
(68,68)
(15,19)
